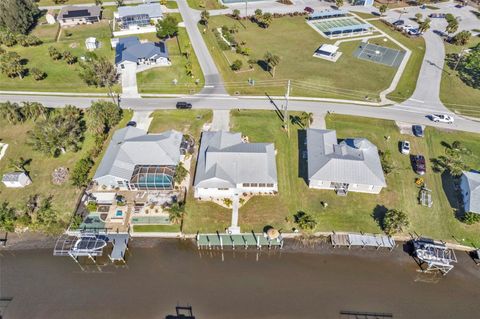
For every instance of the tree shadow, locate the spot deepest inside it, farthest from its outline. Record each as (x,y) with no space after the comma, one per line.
(378,215)
(302,155)
(450,189)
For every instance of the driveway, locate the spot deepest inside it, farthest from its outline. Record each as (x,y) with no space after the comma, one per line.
(143,119)
(129,81)
(221,120)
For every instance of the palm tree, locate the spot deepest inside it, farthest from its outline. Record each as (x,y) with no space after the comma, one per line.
(307,119)
(34,110)
(424,25)
(452,26)
(204,16)
(11,112)
(267,19)
(19,164)
(176,212)
(272,61)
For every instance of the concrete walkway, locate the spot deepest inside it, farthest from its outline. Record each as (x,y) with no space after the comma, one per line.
(319,121)
(221,120)
(234,228)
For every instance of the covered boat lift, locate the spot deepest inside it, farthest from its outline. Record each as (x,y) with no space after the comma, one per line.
(435,255)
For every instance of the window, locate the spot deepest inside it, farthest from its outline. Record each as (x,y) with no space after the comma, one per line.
(246,185)
(253,185)
(120,183)
(222,189)
(261,185)
(269,185)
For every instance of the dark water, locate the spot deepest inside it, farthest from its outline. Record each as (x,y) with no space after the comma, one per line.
(278,285)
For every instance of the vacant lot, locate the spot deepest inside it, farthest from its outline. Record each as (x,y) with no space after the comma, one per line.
(295,42)
(354,212)
(160,80)
(454,93)
(205,4)
(40,168)
(61,77)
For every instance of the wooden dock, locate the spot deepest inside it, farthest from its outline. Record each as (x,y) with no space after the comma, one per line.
(362,240)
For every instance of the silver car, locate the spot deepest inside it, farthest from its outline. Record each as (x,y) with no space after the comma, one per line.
(442,118)
(405,147)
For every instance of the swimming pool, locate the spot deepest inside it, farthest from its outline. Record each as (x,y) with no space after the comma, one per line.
(119,213)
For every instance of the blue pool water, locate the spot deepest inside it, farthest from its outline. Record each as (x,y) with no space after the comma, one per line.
(118,213)
(155,181)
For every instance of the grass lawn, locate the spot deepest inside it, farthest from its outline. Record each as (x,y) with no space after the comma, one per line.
(454,93)
(172,5)
(408,81)
(60,76)
(353,212)
(295,42)
(40,169)
(156,228)
(205,4)
(69,2)
(160,80)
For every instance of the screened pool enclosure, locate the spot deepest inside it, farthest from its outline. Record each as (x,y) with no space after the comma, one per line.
(152,177)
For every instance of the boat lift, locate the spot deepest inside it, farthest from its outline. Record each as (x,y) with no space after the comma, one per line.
(92,245)
(435,255)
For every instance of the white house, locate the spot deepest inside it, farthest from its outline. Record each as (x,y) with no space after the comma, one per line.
(352,165)
(74,15)
(135,160)
(131,51)
(50,17)
(16,180)
(470,187)
(227,166)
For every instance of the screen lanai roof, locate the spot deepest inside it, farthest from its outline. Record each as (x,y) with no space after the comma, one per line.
(328,13)
(363,26)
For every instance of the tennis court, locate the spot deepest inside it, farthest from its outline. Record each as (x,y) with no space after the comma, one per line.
(378,54)
(341,27)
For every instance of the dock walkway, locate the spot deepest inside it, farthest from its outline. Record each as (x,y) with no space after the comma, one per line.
(363,240)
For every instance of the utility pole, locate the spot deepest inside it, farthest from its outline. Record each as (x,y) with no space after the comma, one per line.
(246,8)
(285,113)
(460,55)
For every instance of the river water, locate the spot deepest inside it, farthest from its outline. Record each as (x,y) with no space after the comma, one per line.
(272,284)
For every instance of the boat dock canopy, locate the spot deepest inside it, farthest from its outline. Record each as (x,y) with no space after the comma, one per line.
(436,255)
(363,240)
(245,240)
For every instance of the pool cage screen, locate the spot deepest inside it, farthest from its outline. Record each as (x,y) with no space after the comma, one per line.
(140,20)
(152,177)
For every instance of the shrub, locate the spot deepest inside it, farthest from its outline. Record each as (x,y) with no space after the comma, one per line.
(305,221)
(9,39)
(236,65)
(394,221)
(80,172)
(92,206)
(471,218)
(54,53)
(227,202)
(37,74)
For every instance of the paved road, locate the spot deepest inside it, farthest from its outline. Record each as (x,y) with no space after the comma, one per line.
(213,80)
(396,112)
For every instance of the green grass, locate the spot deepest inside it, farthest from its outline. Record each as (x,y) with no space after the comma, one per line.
(160,80)
(61,77)
(295,42)
(353,212)
(172,5)
(408,81)
(156,228)
(69,2)
(186,121)
(365,15)
(205,4)
(41,167)
(454,93)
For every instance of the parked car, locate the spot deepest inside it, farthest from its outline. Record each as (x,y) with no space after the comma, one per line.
(398,23)
(309,10)
(414,31)
(184,105)
(132,123)
(417,130)
(418,164)
(442,118)
(437,15)
(405,147)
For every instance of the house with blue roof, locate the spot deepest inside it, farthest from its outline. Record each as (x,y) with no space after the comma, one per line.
(130,51)
(138,17)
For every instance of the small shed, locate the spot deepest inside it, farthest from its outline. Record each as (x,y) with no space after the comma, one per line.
(104,198)
(16,180)
(327,49)
(91,43)
(50,16)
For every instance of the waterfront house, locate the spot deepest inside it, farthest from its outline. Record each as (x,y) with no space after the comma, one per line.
(351,165)
(470,188)
(135,160)
(74,15)
(228,166)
